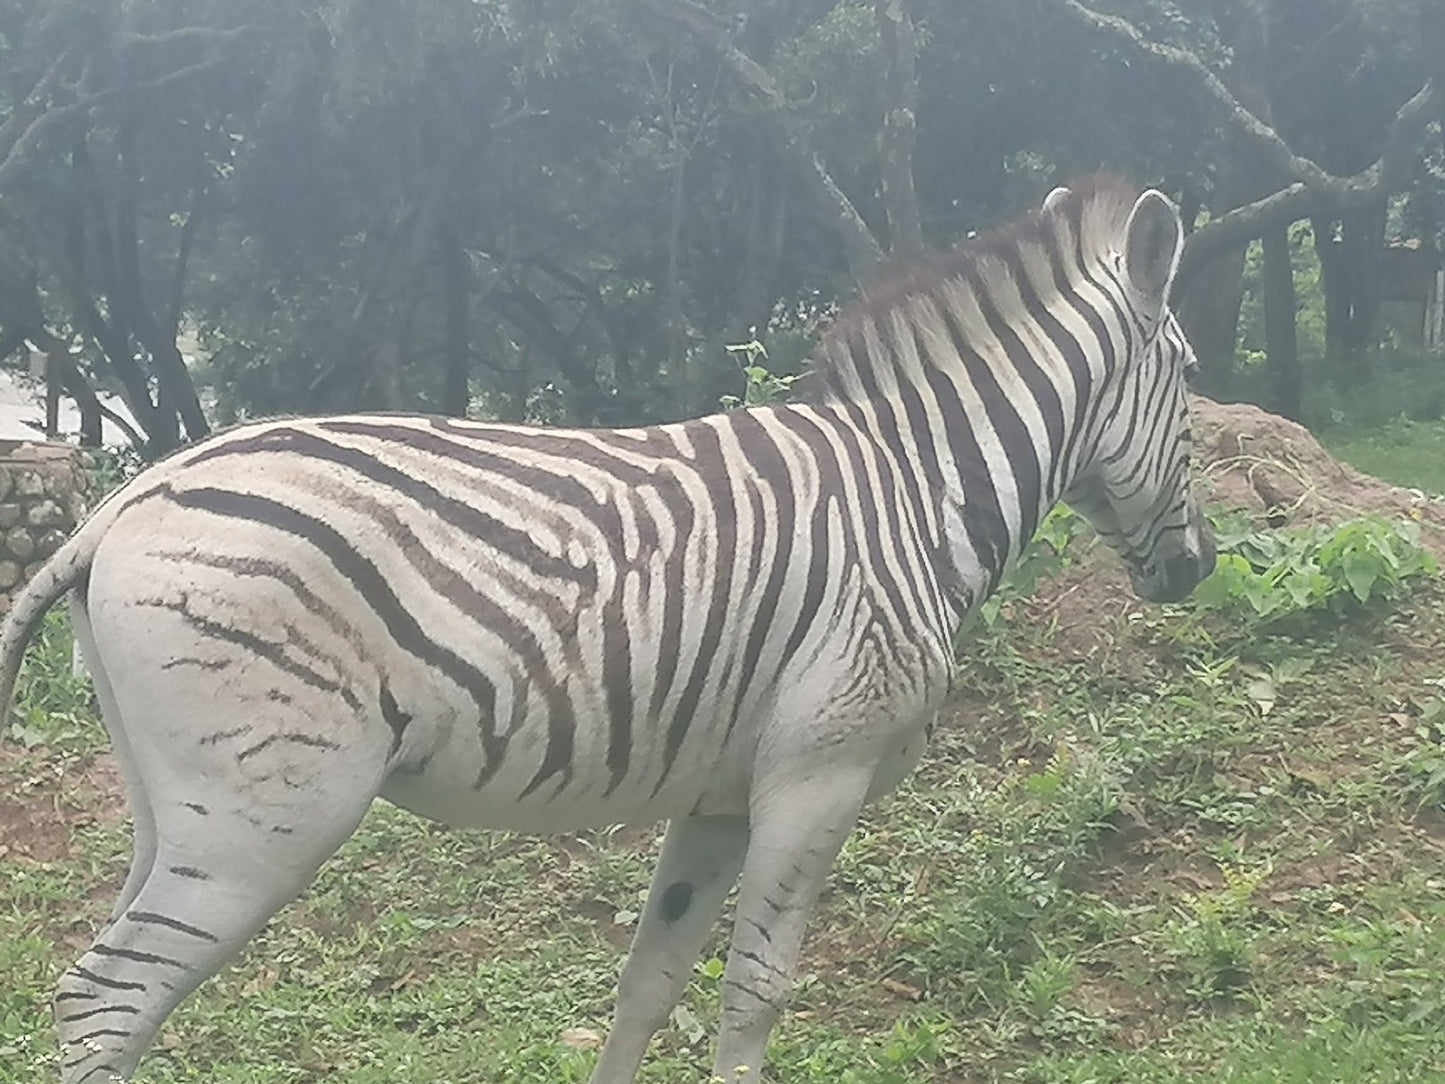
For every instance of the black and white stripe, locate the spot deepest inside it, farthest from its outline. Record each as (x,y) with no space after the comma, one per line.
(742,623)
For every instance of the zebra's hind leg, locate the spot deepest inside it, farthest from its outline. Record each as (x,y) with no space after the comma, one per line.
(143,825)
(202,902)
(230,849)
(699,864)
(798,826)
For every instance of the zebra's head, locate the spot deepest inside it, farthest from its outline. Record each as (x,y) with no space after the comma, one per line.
(1135,490)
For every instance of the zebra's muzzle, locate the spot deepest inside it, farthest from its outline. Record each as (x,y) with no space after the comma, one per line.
(1172,576)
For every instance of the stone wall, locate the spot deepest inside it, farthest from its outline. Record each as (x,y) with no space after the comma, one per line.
(45,490)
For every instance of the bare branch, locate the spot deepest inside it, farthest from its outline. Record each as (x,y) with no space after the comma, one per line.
(1314,190)
(865,255)
(898,42)
(195,35)
(1334,197)
(1285,160)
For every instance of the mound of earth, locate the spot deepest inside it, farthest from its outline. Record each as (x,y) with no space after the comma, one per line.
(1247,460)
(1275,470)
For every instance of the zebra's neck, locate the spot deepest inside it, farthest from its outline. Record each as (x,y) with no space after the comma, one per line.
(989,400)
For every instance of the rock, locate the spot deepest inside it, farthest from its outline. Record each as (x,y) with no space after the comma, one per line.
(10,514)
(18,543)
(49,542)
(45,514)
(9,574)
(5,482)
(28,483)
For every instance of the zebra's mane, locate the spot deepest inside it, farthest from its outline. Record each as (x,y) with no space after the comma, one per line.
(1085,225)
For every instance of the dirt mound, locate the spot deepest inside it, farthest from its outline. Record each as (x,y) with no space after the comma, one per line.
(1275,470)
(1248,460)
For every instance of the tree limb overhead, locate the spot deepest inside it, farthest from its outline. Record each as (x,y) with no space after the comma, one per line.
(1312,189)
(865,255)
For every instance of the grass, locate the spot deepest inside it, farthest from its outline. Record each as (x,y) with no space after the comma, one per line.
(1408,453)
(1148,845)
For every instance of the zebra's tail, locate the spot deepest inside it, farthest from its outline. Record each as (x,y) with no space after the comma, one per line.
(69,566)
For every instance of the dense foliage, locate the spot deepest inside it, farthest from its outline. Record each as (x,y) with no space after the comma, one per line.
(567,210)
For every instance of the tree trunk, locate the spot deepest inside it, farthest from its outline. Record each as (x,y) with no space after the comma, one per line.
(1334,281)
(764,230)
(1210,307)
(1362,235)
(1209,314)
(456,378)
(898,42)
(1286,378)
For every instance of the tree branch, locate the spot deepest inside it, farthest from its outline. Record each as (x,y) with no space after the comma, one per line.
(1278,152)
(200,35)
(35,124)
(1313,190)
(865,255)
(898,42)
(1334,197)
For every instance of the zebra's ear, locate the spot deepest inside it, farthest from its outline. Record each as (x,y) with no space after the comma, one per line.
(1055,199)
(1153,239)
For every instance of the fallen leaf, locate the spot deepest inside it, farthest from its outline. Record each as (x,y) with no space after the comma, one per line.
(581,1039)
(902,989)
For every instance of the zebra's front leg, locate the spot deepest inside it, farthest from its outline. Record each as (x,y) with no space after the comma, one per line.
(699,864)
(797,829)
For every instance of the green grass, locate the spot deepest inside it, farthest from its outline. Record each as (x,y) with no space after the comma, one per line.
(1148,845)
(1407,453)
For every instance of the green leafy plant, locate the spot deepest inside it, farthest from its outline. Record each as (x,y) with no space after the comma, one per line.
(1269,574)
(763,387)
(1046,555)
(1424,764)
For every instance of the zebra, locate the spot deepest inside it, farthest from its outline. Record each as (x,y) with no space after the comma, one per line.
(742,624)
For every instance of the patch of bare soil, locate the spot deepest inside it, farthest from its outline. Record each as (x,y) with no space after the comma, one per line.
(1274,469)
(43,802)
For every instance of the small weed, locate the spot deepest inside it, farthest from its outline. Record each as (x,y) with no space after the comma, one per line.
(763,387)
(1046,555)
(1044,983)
(1212,940)
(54,705)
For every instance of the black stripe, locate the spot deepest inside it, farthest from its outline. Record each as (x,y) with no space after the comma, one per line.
(719,608)
(129,1010)
(90,1036)
(465,517)
(394,717)
(272,652)
(150,918)
(367,580)
(102,949)
(984,524)
(311,740)
(821,558)
(771,471)
(101,980)
(617,677)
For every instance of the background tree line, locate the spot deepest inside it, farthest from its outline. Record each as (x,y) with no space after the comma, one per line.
(565,210)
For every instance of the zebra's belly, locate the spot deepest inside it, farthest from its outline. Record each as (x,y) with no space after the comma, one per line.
(710,781)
